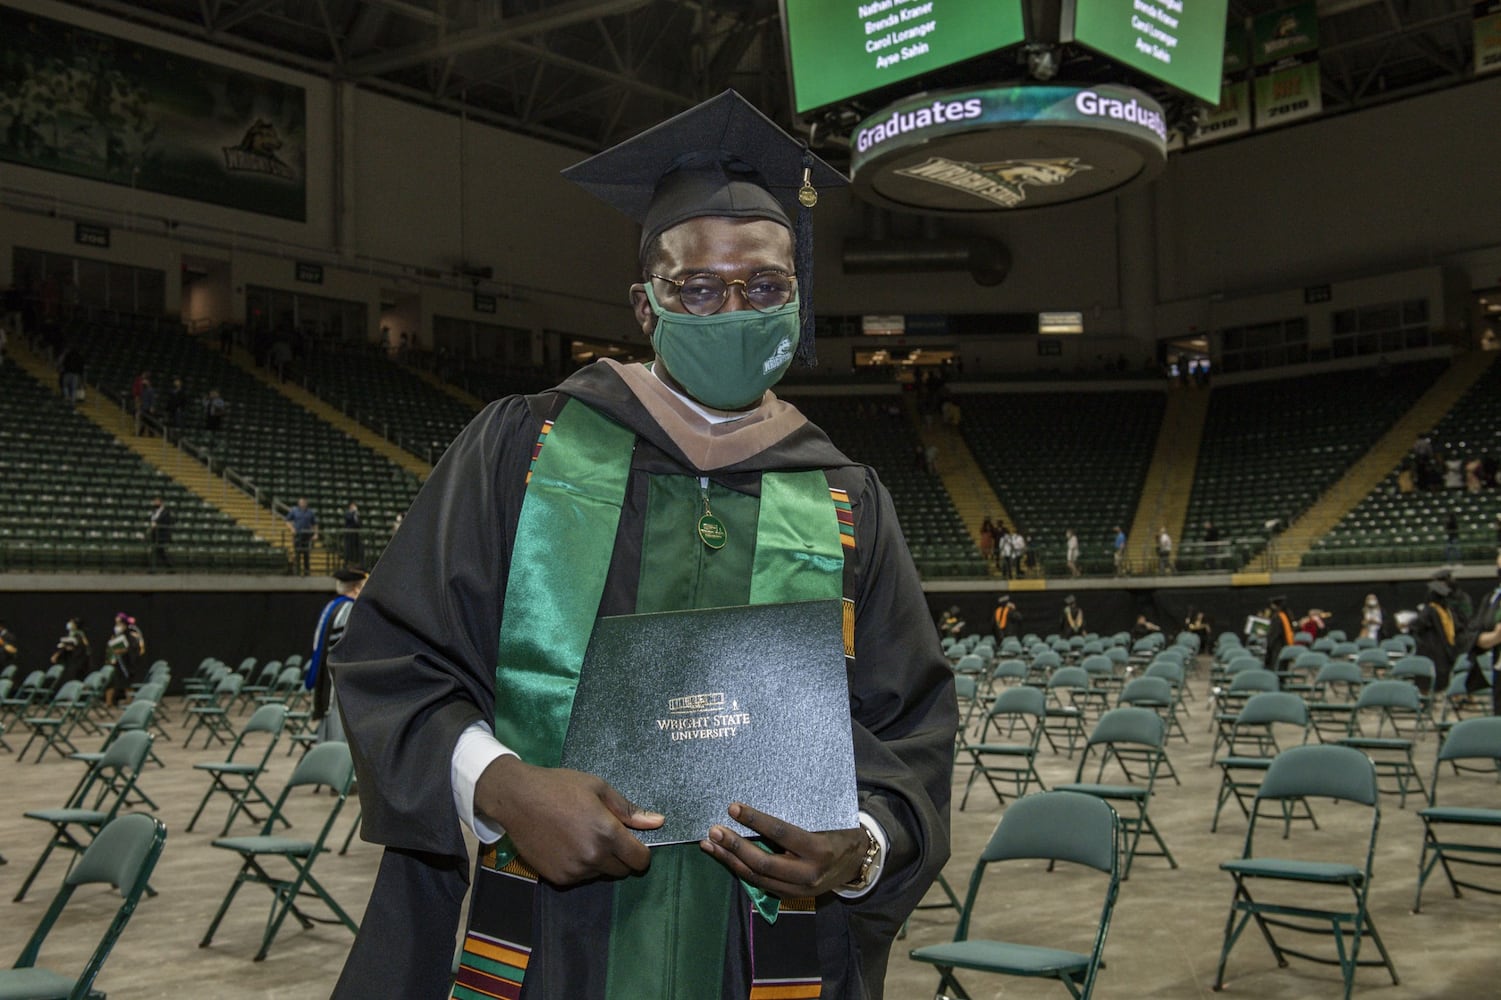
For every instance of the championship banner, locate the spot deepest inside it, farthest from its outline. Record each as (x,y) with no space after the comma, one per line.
(90,105)
(1284,47)
(1232,116)
(1282,34)
(1488,37)
(1287,95)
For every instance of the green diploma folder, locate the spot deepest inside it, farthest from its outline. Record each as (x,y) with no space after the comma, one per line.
(685,712)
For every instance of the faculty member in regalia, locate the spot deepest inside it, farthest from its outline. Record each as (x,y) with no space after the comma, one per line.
(629,489)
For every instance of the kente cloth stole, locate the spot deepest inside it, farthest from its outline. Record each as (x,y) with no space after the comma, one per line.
(570,515)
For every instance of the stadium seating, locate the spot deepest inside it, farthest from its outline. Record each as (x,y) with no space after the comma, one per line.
(1271,448)
(863,430)
(72,497)
(1066,460)
(1394,527)
(279,448)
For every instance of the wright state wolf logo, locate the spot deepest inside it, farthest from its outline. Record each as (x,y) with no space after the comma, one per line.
(256,152)
(1003,183)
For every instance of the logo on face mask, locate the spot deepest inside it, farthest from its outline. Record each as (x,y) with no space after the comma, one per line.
(779,359)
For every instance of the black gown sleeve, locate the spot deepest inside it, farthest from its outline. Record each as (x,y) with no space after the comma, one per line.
(905,716)
(416,664)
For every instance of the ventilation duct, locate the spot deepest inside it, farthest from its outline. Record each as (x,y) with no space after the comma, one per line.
(987,261)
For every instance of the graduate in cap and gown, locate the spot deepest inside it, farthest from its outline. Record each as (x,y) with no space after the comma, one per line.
(1280,631)
(332,621)
(631,489)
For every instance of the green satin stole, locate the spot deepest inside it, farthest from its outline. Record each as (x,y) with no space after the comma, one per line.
(781,548)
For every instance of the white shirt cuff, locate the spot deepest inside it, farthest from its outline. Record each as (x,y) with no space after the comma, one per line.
(869,822)
(475,750)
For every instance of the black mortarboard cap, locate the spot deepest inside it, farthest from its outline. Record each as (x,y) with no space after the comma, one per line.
(350,574)
(720,158)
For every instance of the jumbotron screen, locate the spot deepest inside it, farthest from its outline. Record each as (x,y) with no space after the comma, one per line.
(840,48)
(1180,42)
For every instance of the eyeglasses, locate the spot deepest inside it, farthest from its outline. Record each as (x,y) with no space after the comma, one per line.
(706,294)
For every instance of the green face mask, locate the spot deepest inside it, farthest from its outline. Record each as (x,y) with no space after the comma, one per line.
(729,359)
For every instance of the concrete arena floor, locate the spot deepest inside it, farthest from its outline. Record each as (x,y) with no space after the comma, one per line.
(1164,941)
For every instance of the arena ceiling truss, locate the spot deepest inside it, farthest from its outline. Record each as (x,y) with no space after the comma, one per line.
(588,73)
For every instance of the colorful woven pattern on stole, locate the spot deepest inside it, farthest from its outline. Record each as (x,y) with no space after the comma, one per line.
(496,954)
(846,515)
(537,448)
(783,953)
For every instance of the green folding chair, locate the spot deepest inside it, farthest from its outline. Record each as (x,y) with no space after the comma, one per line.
(1322,771)
(55,723)
(1013,763)
(137,716)
(1128,742)
(238,778)
(1049,826)
(1241,774)
(212,715)
(94,801)
(123,856)
(1392,755)
(326,764)
(1449,832)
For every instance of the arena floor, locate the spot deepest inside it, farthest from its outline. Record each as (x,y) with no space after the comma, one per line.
(1164,941)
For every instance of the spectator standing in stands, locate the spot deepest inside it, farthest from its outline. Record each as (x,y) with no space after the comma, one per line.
(1211,545)
(1005,552)
(987,542)
(1023,559)
(1164,551)
(177,401)
(159,533)
(1118,551)
(1071,552)
(1371,618)
(304,522)
(214,407)
(354,542)
(930,457)
(1435,630)
(348,581)
(1071,623)
(72,375)
(1279,631)
(141,400)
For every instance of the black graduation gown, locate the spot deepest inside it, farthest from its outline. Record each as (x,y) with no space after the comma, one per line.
(1433,643)
(417,666)
(1276,637)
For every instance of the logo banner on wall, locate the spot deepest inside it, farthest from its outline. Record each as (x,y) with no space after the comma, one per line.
(1233,114)
(1288,94)
(1282,34)
(1488,37)
(90,105)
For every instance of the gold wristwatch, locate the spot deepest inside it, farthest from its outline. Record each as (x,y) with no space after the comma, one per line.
(870,864)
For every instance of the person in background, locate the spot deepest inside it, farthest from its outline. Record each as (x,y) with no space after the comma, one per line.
(1452,552)
(354,542)
(159,533)
(1436,631)
(1143,628)
(1197,622)
(304,522)
(175,404)
(1280,632)
(1371,619)
(1071,623)
(1118,550)
(125,649)
(8,646)
(348,582)
(715,493)
(73,651)
(1486,632)
(1164,551)
(1071,551)
(987,542)
(1007,618)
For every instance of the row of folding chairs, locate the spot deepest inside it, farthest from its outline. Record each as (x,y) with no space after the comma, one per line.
(1281,891)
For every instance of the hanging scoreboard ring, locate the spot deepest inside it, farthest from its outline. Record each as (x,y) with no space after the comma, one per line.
(1007,148)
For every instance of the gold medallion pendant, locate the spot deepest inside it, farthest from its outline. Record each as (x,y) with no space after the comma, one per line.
(710,528)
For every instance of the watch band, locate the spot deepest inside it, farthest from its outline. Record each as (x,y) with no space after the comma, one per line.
(869,864)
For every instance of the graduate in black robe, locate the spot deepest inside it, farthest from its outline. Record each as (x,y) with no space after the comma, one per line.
(1279,631)
(417,666)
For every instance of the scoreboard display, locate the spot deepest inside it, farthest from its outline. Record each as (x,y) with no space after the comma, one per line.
(838,49)
(1180,42)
